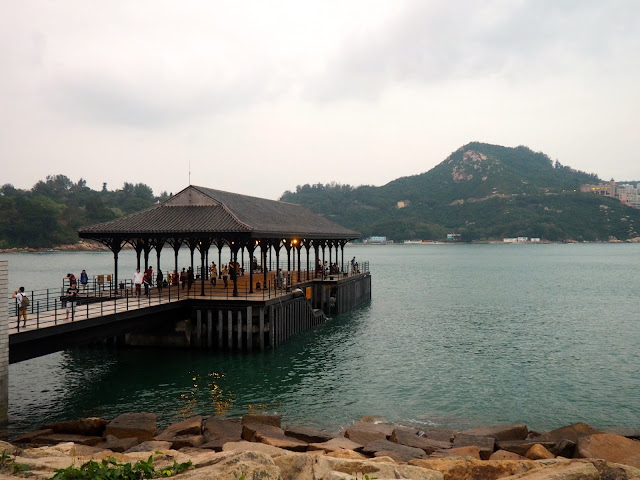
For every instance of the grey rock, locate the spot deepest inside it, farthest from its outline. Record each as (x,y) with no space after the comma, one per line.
(410,438)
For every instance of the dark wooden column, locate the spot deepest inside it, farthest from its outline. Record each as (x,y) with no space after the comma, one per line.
(264,245)
(298,246)
(307,245)
(158,244)
(251,246)
(234,254)
(175,243)
(203,245)
(146,249)
(342,244)
(317,259)
(138,246)
(115,245)
(192,243)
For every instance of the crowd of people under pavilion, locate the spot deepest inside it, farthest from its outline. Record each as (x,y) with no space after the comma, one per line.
(202,218)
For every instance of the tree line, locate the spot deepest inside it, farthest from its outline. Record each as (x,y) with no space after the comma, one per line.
(50,213)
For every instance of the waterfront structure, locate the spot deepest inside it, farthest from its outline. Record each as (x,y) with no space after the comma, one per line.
(201,218)
(626,194)
(4,343)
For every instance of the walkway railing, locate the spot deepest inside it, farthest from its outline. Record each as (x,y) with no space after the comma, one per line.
(48,307)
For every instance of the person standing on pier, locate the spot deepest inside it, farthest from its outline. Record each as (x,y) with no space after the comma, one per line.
(84,280)
(22,305)
(159,280)
(137,281)
(225,276)
(214,274)
(183,277)
(190,279)
(71,295)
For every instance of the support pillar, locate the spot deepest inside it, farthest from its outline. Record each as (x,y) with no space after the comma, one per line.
(4,347)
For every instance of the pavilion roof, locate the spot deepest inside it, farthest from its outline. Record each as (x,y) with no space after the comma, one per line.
(205,211)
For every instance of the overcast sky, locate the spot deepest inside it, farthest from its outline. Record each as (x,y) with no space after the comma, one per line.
(258,97)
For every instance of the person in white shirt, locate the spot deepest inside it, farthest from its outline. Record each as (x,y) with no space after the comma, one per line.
(22,309)
(137,281)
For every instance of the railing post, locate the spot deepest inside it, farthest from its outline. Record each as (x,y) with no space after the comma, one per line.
(55,315)
(38,315)
(32,302)
(127,296)
(47,299)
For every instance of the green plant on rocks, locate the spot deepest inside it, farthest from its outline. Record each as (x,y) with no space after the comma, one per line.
(112,470)
(7,462)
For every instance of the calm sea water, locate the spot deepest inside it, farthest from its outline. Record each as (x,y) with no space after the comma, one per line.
(455,336)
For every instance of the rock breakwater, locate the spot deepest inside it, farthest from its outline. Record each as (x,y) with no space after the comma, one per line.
(258,446)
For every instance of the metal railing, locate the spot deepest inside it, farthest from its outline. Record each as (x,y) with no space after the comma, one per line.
(48,307)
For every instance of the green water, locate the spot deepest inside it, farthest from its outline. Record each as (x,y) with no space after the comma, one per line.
(455,336)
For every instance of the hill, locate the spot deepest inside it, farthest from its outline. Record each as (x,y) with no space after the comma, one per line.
(481,191)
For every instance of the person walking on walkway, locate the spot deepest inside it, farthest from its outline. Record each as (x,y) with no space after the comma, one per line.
(138,278)
(214,274)
(84,280)
(23,303)
(71,296)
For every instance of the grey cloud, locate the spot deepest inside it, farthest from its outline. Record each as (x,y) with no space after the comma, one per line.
(112,101)
(436,42)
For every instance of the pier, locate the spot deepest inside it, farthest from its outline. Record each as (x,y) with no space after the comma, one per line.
(177,317)
(268,300)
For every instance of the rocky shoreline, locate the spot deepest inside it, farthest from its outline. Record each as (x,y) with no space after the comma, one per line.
(260,447)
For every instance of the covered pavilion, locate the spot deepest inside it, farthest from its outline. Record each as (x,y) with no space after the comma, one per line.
(200,218)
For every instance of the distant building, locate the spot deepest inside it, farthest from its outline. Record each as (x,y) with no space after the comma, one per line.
(626,194)
(376,239)
(401,204)
(453,237)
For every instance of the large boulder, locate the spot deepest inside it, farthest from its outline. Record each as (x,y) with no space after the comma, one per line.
(505,455)
(485,444)
(538,452)
(410,438)
(454,469)
(273,420)
(439,434)
(400,453)
(570,432)
(117,444)
(56,438)
(610,447)
(365,433)
(338,443)
(150,446)
(521,447)
(280,440)
(501,432)
(560,471)
(92,426)
(243,446)
(29,436)
(143,426)
(188,426)
(222,428)
(309,435)
(470,452)
(218,431)
(234,465)
(249,430)
(344,468)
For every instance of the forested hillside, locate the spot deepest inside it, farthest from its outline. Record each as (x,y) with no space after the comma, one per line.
(481,191)
(51,212)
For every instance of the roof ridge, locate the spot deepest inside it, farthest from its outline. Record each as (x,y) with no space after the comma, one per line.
(224,207)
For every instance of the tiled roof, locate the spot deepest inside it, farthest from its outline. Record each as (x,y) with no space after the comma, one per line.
(200,210)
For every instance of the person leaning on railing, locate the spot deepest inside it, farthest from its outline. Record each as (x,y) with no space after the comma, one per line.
(22,305)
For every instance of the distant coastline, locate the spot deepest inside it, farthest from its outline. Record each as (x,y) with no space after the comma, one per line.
(88,246)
